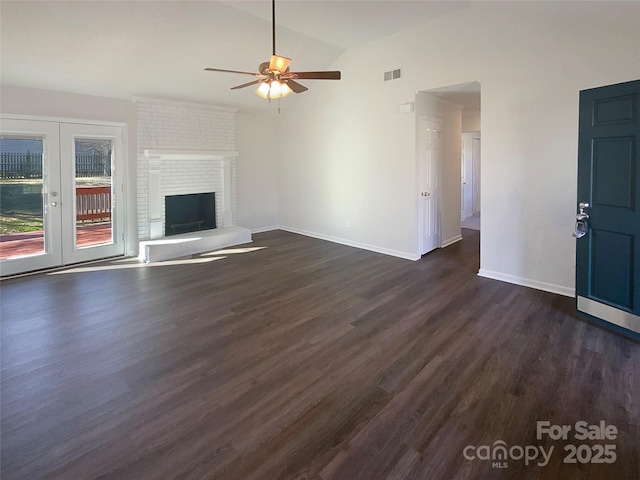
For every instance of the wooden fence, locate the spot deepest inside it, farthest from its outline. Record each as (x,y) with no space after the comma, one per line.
(20,165)
(29,165)
(93,165)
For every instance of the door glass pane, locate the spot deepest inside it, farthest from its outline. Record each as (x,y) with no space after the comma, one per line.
(93,186)
(21,199)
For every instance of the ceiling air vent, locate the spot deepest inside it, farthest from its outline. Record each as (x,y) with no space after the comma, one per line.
(392,74)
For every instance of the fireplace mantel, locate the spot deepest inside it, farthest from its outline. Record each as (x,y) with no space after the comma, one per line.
(188,154)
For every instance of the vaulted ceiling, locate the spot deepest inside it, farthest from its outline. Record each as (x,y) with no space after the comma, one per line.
(160,48)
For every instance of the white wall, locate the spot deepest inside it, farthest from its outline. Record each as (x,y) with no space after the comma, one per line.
(257,171)
(349,154)
(470,121)
(44,103)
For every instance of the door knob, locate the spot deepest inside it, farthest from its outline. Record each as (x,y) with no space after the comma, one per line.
(582,215)
(582,226)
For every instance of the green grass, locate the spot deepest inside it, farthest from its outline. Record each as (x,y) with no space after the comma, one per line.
(20,206)
(19,222)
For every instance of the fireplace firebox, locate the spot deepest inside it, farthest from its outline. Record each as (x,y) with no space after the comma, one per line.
(189,213)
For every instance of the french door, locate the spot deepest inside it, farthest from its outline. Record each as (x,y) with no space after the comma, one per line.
(61,194)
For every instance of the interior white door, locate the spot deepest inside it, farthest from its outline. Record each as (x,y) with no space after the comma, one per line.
(92,217)
(429,184)
(467,176)
(30,214)
(476,176)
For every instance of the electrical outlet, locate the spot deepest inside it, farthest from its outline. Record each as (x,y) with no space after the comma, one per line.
(348,223)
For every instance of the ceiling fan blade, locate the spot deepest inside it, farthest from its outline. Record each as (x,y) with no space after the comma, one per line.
(246,84)
(296,87)
(231,71)
(335,75)
(279,63)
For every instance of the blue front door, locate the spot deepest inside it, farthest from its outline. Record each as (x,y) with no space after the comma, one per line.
(608,252)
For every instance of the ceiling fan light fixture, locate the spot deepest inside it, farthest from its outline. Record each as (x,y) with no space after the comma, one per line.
(263,89)
(273,89)
(279,64)
(274,78)
(279,89)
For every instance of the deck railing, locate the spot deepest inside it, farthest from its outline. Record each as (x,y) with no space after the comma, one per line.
(93,204)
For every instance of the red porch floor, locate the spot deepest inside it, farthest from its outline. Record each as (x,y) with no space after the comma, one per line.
(19,244)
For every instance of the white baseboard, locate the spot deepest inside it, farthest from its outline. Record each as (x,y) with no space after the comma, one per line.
(265,229)
(350,243)
(526,282)
(451,241)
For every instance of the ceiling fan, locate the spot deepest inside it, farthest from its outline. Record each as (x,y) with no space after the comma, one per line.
(274,77)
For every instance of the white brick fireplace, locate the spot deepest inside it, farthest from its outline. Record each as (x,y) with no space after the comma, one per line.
(185,148)
(179,172)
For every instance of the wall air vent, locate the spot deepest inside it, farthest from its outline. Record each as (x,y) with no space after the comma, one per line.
(392,74)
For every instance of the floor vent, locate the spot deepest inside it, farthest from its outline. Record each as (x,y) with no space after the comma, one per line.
(392,75)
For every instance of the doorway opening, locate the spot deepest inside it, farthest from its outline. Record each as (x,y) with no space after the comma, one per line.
(458,107)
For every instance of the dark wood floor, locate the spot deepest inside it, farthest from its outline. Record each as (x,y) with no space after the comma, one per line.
(302,360)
